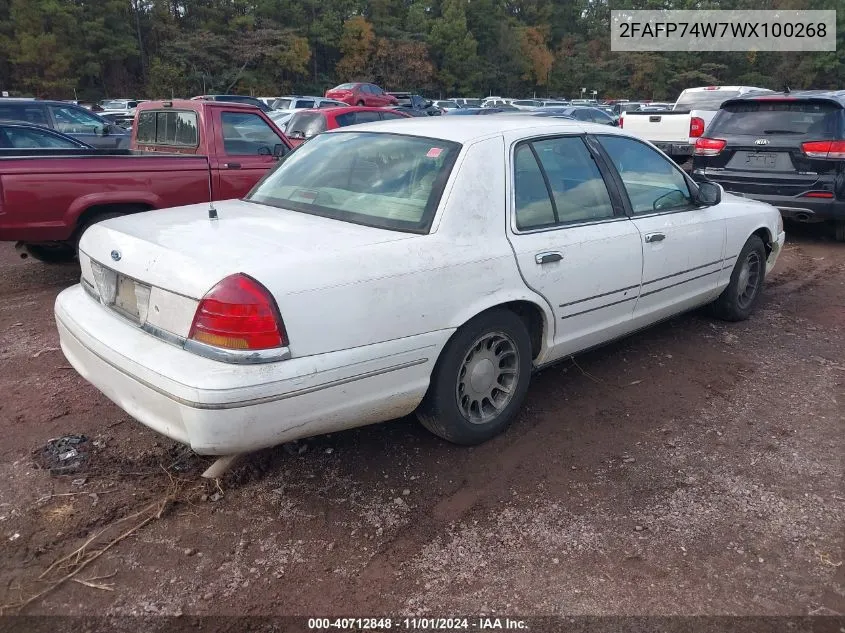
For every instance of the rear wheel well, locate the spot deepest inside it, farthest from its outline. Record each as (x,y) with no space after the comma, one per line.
(90,215)
(763,234)
(532,316)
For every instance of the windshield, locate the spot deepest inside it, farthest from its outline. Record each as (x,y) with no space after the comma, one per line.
(705,99)
(388,181)
(819,119)
(305,125)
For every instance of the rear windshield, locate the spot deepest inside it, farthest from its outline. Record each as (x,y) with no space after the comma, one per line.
(388,181)
(705,99)
(344,87)
(169,127)
(306,125)
(819,119)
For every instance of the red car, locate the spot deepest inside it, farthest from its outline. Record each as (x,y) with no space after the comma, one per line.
(361,94)
(307,123)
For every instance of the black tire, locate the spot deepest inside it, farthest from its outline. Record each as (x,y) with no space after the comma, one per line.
(491,334)
(737,301)
(52,253)
(839,231)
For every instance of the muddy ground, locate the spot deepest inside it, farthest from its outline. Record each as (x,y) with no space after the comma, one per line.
(696,468)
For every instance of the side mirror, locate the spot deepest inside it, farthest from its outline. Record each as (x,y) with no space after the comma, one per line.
(428,104)
(106,130)
(279,150)
(264,151)
(709,194)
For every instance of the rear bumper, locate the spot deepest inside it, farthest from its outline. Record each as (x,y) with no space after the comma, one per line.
(222,409)
(798,208)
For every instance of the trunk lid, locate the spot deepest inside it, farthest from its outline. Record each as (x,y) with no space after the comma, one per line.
(182,251)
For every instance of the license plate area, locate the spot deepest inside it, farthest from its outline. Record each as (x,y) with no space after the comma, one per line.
(126,296)
(761,161)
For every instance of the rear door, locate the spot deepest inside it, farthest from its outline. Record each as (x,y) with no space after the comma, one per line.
(763,154)
(246,145)
(572,241)
(683,245)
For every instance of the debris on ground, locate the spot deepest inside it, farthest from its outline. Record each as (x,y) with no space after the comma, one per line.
(63,455)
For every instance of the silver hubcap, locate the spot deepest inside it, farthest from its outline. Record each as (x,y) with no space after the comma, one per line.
(749,279)
(487,377)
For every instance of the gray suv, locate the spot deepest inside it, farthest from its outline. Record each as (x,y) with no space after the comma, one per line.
(66,118)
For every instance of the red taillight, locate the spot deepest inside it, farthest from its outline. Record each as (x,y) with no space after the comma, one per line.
(818,194)
(709,146)
(621,121)
(239,313)
(696,127)
(824,149)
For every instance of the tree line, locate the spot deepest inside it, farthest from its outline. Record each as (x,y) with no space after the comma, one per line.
(89,50)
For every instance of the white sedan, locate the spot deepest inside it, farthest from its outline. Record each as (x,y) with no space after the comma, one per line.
(422,265)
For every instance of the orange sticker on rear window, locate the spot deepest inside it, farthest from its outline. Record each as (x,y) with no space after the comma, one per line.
(434,152)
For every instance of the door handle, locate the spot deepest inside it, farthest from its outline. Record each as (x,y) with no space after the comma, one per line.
(548,258)
(232,165)
(654,237)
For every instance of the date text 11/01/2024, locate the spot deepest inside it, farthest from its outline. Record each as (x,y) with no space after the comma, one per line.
(418,624)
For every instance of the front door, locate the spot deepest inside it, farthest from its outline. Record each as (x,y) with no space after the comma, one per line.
(683,244)
(572,241)
(245,152)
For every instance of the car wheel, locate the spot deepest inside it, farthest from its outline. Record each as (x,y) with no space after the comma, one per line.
(52,253)
(737,301)
(480,380)
(839,231)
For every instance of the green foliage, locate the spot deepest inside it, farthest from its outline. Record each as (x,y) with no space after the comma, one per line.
(162,48)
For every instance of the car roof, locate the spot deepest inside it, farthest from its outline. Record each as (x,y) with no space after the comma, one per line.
(829,95)
(468,129)
(193,104)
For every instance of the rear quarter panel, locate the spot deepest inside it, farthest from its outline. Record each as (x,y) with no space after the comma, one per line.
(744,217)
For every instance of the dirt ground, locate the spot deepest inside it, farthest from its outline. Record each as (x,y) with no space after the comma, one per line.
(695,468)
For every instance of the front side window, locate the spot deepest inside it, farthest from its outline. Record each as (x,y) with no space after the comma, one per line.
(652,181)
(171,128)
(282,104)
(71,120)
(247,134)
(382,180)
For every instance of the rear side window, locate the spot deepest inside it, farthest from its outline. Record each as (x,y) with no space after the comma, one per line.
(282,104)
(28,113)
(172,128)
(304,104)
(817,119)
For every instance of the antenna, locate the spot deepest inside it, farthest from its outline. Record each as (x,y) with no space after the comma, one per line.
(212,212)
(786,89)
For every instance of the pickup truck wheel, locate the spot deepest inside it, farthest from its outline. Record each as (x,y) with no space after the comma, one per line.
(52,253)
(480,380)
(737,301)
(839,231)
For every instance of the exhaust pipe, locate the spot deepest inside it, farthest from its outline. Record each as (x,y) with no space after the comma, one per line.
(802,217)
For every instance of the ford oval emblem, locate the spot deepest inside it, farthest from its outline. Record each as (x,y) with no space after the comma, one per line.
(115,255)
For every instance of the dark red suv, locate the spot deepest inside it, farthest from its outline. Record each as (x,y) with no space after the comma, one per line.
(361,94)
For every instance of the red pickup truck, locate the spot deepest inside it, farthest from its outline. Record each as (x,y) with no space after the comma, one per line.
(182,152)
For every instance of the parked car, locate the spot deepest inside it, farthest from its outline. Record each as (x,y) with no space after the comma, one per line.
(676,131)
(183,152)
(307,307)
(470,111)
(415,105)
(465,102)
(258,103)
(292,103)
(526,104)
(281,117)
(66,118)
(361,94)
(308,123)
(580,113)
(120,106)
(787,149)
(22,139)
(496,102)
